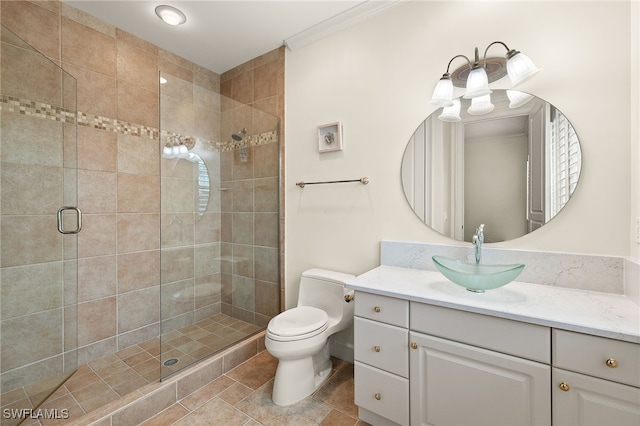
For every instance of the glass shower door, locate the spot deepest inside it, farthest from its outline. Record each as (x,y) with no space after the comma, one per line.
(38,230)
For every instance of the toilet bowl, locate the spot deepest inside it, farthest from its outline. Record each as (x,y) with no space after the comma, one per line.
(301,337)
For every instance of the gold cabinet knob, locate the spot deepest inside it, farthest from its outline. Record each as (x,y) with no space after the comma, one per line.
(348,298)
(376,348)
(377,396)
(564,386)
(377,309)
(611,363)
(414,345)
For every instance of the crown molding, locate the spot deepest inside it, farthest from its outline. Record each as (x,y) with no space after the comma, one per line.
(359,13)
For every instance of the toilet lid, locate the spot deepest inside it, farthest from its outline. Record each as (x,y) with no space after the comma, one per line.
(297,321)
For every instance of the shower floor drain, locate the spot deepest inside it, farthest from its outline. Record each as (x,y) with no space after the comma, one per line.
(170,361)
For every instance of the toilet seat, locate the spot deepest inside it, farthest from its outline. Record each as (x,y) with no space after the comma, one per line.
(298,323)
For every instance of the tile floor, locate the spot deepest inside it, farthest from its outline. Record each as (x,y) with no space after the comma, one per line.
(121,374)
(242,397)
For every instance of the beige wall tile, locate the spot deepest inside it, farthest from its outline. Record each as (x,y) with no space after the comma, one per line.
(138,155)
(30,189)
(31,140)
(98,236)
(266,264)
(43,340)
(242,88)
(178,195)
(138,270)
(176,115)
(136,66)
(177,264)
(138,231)
(205,259)
(123,36)
(38,26)
(87,48)
(266,233)
(29,239)
(266,81)
(30,289)
(96,320)
(267,195)
(96,277)
(86,19)
(97,149)
(96,191)
(29,75)
(137,105)
(242,228)
(138,193)
(96,92)
(138,309)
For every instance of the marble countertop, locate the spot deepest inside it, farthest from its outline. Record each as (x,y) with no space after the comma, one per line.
(601,314)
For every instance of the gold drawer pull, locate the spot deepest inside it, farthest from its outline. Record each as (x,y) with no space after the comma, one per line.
(377,309)
(376,348)
(611,362)
(377,396)
(414,345)
(564,386)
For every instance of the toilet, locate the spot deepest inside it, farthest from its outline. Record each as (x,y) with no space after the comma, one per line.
(300,337)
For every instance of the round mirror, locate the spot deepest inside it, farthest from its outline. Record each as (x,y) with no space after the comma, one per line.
(511,163)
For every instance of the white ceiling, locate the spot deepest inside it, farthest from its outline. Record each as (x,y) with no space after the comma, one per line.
(222,34)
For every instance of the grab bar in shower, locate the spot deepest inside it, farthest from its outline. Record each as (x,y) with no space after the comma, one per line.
(364,181)
(78,220)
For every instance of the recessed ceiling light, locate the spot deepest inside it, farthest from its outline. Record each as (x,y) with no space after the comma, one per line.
(170,15)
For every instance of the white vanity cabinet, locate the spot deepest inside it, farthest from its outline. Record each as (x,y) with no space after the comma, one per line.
(381,366)
(596,381)
(504,357)
(471,369)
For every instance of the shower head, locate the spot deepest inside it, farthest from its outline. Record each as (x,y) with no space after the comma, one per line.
(239,135)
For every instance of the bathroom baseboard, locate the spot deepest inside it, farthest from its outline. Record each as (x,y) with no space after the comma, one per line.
(342,350)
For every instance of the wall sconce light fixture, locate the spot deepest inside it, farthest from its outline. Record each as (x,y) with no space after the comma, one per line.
(475,78)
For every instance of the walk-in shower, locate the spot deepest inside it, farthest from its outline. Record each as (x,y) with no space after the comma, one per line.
(219,222)
(191,229)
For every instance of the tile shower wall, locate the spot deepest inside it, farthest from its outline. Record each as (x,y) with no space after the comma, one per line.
(118,168)
(252,230)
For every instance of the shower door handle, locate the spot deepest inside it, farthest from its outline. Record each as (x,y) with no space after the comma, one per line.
(78,220)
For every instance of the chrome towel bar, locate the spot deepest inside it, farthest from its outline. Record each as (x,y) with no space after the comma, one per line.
(364,181)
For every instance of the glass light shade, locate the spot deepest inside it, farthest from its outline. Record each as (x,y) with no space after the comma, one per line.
(182,150)
(170,15)
(481,105)
(520,68)
(517,98)
(477,83)
(451,114)
(443,93)
(175,151)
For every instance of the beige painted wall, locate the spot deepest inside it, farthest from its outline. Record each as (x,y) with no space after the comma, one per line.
(377,77)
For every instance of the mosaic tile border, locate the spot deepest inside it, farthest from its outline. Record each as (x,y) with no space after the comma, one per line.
(65,115)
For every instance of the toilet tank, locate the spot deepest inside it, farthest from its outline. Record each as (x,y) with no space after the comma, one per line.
(323,289)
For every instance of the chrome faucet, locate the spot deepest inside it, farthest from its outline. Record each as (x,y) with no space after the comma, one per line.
(478,239)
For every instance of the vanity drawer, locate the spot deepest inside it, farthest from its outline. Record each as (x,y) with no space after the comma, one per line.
(609,359)
(382,308)
(382,345)
(516,338)
(382,393)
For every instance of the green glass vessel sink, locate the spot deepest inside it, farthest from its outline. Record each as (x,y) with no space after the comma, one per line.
(477,277)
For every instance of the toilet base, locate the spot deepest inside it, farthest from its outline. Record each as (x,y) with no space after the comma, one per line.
(296,379)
